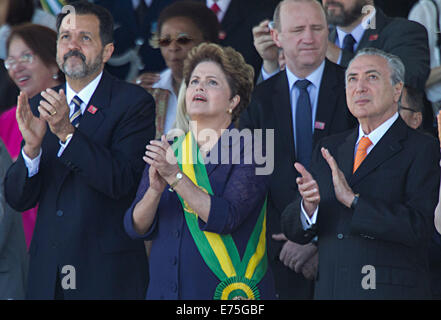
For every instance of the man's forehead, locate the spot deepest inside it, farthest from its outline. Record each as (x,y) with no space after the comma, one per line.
(78,22)
(296,9)
(368,63)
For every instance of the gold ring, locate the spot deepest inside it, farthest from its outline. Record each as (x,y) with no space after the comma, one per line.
(54,113)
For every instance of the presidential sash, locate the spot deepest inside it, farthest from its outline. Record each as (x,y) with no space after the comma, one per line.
(238,278)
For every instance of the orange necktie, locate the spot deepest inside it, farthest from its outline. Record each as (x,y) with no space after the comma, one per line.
(361,153)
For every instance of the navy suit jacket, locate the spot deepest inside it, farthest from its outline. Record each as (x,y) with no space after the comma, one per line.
(391,225)
(401,37)
(237,25)
(177,270)
(83,195)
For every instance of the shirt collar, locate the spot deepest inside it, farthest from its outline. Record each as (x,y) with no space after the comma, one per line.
(136,3)
(315,77)
(85,94)
(357,33)
(223,4)
(379,132)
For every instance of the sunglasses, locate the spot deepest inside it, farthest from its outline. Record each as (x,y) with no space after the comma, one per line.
(182,39)
(400,107)
(25,58)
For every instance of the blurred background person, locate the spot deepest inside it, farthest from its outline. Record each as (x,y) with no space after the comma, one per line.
(237,18)
(181,26)
(14,13)
(31,64)
(135,22)
(411,107)
(13,257)
(218,85)
(427,12)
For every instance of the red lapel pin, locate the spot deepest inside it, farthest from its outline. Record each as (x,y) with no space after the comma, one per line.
(222,35)
(319,125)
(373,37)
(92,109)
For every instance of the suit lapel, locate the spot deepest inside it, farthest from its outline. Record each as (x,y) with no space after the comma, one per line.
(326,103)
(345,154)
(371,35)
(232,17)
(388,146)
(92,118)
(283,115)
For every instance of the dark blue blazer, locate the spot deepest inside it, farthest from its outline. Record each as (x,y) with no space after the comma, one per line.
(177,270)
(391,225)
(83,195)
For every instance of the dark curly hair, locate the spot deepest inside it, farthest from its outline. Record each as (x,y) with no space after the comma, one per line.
(204,19)
(239,74)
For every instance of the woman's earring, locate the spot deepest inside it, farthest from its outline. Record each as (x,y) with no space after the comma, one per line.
(55,76)
(230,111)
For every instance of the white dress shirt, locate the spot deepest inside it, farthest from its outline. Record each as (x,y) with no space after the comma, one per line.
(223,6)
(357,34)
(375,136)
(85,95)
(313,90)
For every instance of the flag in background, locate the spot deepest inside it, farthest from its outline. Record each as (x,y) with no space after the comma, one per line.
(53,6)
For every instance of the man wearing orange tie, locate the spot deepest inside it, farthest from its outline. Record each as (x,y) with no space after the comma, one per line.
(370,195)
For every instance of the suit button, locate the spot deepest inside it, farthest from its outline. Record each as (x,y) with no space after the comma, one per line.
(60,213)
(340,236)
(176,233)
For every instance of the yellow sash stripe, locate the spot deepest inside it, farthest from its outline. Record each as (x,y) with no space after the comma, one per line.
(260,251)
(237,286)
(214,239)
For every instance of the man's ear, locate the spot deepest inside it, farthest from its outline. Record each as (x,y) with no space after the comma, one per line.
(398,91)
(108,51)
(275,35)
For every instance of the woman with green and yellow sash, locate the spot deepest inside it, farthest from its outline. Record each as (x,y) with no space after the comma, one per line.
(200,201)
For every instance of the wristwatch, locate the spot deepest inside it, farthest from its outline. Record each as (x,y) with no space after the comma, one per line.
(355,201)
(179,176)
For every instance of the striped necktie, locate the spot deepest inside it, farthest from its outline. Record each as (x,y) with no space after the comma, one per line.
(75,117)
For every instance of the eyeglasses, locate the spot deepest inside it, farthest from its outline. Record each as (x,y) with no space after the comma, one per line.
(182,39)
(25,58)
(400,107)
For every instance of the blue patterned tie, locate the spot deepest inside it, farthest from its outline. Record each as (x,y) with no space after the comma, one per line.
(348,43)
(303,124)
(75,117)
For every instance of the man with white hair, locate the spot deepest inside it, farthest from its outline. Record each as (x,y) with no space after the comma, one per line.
(370,193)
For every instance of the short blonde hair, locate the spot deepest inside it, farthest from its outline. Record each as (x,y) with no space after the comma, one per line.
(239,74)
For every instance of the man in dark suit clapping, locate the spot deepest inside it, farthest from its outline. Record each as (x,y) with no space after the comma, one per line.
(82,162)
(302,104)
(370,193)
